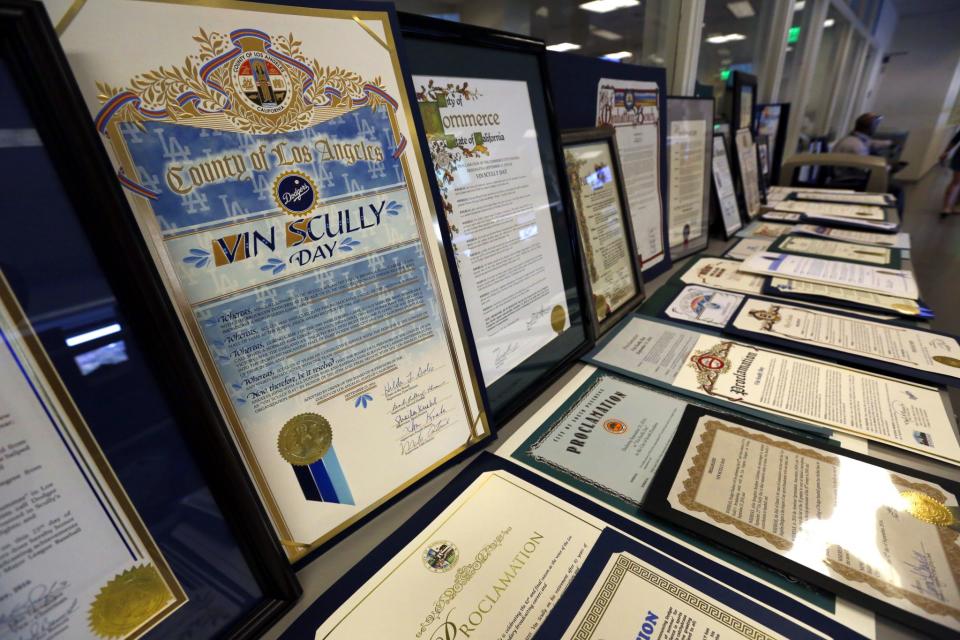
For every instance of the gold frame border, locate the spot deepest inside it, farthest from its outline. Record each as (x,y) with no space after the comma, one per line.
(478,426)
(95,455)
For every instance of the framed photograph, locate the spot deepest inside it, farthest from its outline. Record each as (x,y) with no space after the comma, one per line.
(724,190)
(772,122)
(129,510)
(611,268)
(743,112)
(689,162)
(877,534)
(506,216)
(271,160)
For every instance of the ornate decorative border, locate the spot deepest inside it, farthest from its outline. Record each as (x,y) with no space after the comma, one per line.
(949,537)
(625,564)
(570,472)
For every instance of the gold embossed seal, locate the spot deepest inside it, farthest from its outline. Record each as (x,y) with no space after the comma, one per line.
(948,360)
(304,439)
(558,318)
(927,509)
(128,601)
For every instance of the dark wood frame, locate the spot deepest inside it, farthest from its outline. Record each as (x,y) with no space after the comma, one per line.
(574,137)
(414,26)
(702,243)
(716,196)
(657,503)
(40,70)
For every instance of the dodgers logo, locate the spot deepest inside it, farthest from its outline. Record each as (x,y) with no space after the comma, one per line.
(295,193)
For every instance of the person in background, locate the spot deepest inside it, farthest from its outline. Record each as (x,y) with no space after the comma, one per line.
(953,189)
(860,142)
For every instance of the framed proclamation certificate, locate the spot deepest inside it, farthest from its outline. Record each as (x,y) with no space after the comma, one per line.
(690,143)
(814,395)
(898,349)
(113,523)
(743,101)
(505,205)
(610,263)
(491,556)
(627,589)
(748,172)
(602,437)
(271,161)
(724,189)
(631,100)
(884,536)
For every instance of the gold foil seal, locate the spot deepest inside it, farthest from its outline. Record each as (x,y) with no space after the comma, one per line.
(128,601)
(907,308)
(950,361)
(304,439)
(558,319)
(927,509)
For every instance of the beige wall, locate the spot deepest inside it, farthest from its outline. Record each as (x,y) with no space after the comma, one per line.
(918,89)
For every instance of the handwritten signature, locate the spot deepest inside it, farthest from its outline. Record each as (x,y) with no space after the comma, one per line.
(45,614)
(536,315)
(500,354)
(925,575)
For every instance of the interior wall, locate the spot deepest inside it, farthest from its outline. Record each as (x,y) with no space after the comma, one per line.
(919,84)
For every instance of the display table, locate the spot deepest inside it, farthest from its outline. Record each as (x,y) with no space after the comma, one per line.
(319,575)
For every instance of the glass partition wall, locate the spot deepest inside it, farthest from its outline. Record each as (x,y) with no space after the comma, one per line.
(822,56)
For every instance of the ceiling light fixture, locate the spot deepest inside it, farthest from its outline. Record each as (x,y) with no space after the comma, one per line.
(563,46)
(741,9)
(799,5)
(829,22)
(730,37)
(604,33)
(606,6)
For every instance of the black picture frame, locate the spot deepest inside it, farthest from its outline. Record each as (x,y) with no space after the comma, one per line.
(699,109)
(737,169)
(424,38)
(743,84)
(572,138)
(726,231)
(30,50)
(895,261)
(656,502)
(578,82)
(841,357)
(779,141)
